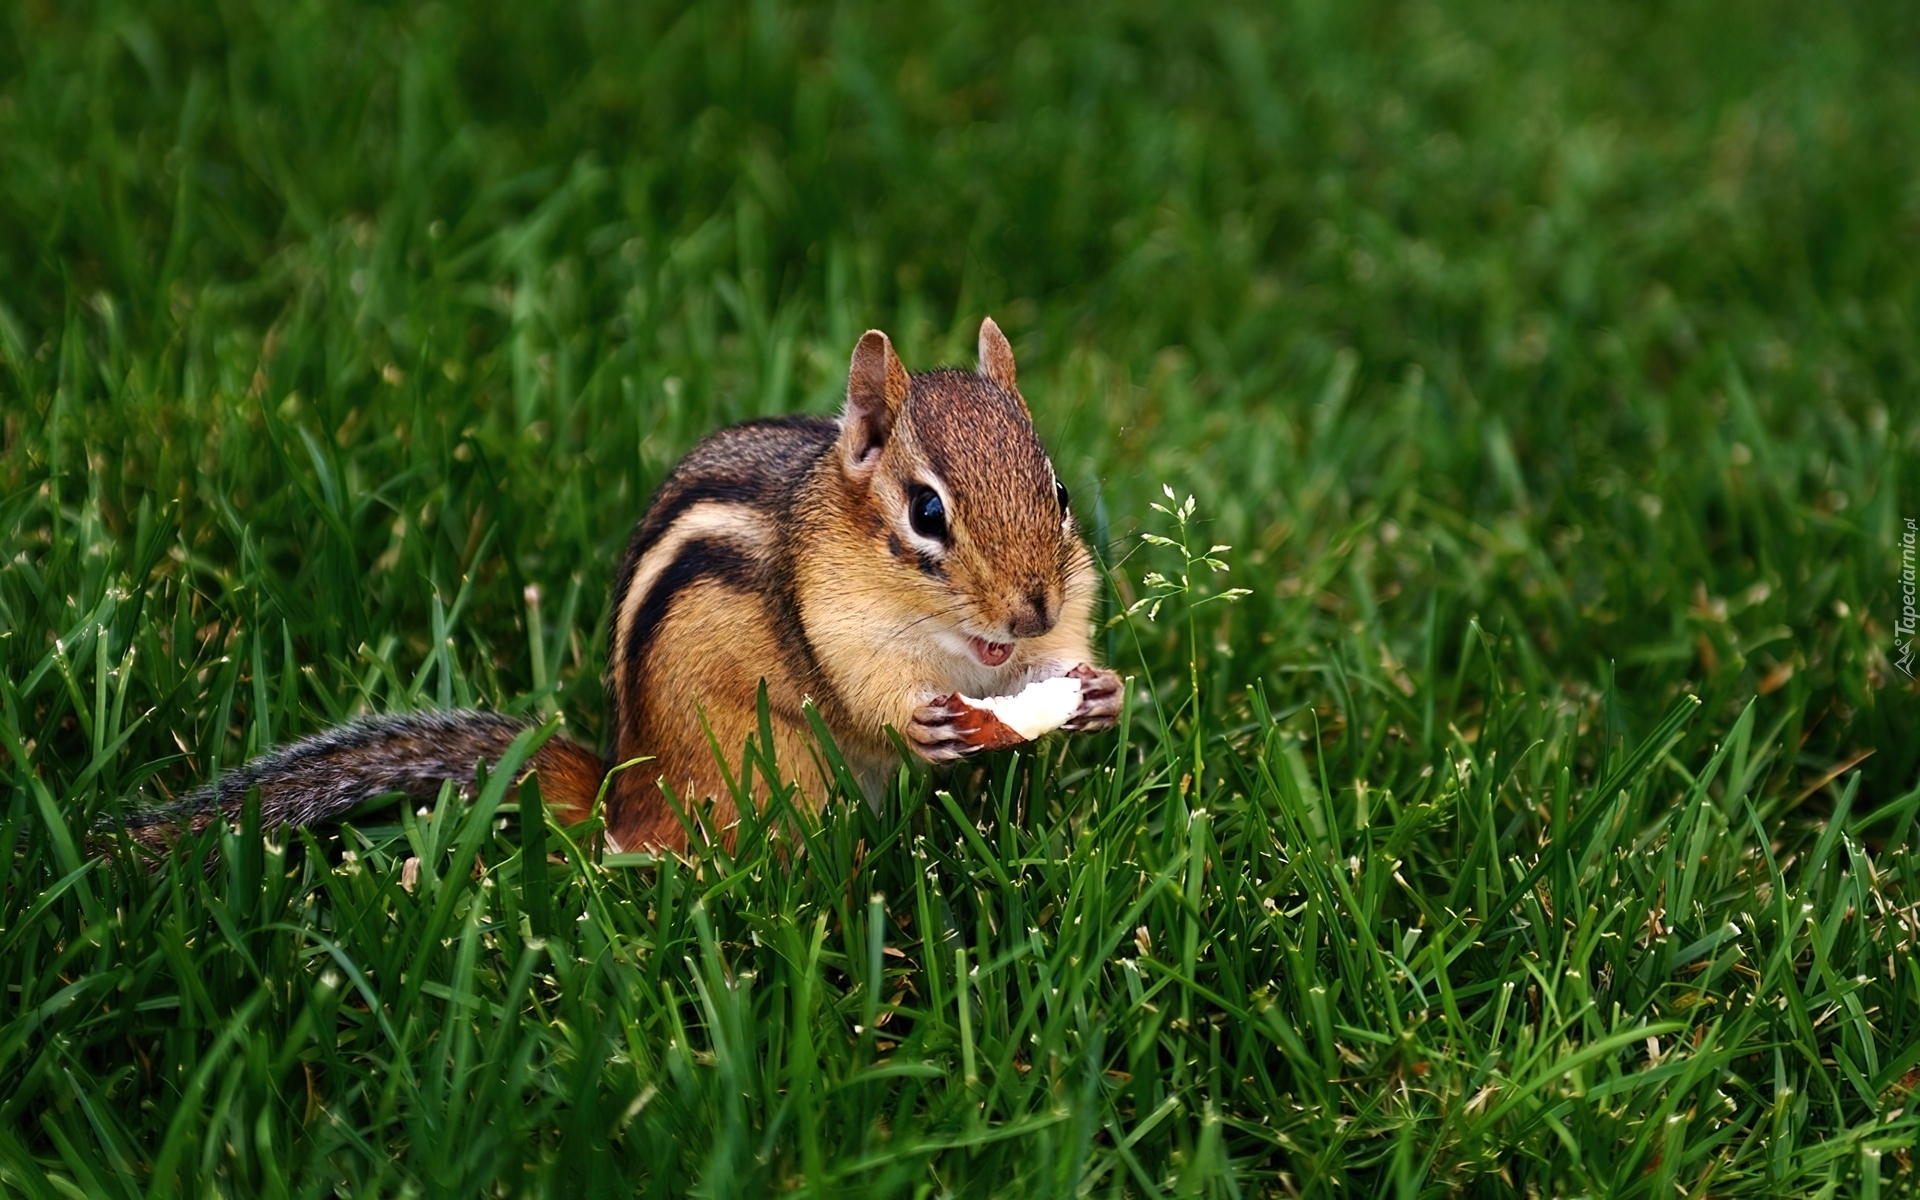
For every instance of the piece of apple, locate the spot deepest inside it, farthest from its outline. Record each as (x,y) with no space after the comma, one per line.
(996,722)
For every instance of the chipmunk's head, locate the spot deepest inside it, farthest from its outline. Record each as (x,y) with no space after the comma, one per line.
(964,510)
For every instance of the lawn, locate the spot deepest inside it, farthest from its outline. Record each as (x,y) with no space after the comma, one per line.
(1538,822)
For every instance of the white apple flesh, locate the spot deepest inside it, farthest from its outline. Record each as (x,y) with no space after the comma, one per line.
(1036,710)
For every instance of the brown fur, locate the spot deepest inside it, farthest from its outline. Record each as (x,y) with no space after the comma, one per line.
(782,551)
(845,614)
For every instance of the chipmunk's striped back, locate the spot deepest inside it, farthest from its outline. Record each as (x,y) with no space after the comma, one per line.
(705,568)
(718,516)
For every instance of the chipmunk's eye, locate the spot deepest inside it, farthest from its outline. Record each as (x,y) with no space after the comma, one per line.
(925,512)
(1060,493)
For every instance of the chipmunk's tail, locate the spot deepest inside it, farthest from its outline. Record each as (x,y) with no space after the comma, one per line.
(326,775)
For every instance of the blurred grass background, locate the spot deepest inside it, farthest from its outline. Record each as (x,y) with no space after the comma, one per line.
(1544,366)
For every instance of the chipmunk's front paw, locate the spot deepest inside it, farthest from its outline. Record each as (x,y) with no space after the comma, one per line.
(939,734)
(1099,699)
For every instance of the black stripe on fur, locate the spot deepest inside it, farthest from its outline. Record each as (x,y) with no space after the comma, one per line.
(703,558)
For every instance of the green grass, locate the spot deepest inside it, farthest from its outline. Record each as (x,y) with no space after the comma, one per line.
(1551,372)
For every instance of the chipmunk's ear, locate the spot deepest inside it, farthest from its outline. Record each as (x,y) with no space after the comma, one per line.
(876,388)
(996,356)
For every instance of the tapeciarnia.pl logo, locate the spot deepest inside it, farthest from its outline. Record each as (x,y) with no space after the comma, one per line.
(1909,618)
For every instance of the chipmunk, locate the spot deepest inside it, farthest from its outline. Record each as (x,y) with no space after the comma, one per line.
(917,547)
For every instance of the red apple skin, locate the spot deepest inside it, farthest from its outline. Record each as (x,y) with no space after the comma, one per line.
(979,726)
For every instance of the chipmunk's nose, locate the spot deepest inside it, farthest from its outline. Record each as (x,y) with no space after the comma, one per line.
(1031,615)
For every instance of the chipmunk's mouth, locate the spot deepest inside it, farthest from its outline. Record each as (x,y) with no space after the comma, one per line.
(990,654)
